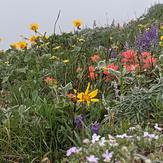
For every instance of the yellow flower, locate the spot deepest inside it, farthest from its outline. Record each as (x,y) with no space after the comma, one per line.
(161,43)
(161,26)
(33,39)
(87,97)
(161,38)
(65,61)
(22,45)
(14,45)
(77,23)
(34,27)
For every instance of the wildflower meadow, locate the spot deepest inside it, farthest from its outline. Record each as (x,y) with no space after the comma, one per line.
(93,95)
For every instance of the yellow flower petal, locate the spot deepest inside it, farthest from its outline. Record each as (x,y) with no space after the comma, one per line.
(86,91)
(75,91)
(80,96)
(88,103)
(93,93)
(94,100)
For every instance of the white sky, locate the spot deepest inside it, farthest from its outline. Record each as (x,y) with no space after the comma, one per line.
(16,15)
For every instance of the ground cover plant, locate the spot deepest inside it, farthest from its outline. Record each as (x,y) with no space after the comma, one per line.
(92,95)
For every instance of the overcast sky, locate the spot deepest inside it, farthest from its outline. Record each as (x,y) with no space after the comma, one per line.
(16,15)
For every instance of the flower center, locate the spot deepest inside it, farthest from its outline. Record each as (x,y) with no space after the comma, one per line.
(86,97)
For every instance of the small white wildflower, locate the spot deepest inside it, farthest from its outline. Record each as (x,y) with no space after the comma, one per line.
(102,141)
(95,138)
(92,159)
(157,128)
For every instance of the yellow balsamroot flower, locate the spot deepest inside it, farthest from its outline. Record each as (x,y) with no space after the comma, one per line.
(22,45)
(34,26)
(87,97)
(77,23)
(14,45)
(161,38)
(33,39)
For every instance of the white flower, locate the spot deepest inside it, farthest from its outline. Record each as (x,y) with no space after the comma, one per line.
(150,136)
(102,141)
(92,159)
(157,128)
(107,156)
(95,138)
(72,151)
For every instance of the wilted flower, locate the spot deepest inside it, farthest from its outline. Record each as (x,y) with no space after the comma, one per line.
(92,159)
(34,26)
(71,151)
(95,127)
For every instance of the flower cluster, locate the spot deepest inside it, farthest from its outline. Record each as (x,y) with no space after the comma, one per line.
(148,39)
(117,148)
(131,61)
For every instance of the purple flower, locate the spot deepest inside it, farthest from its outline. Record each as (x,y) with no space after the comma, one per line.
(112,53)
(92,159)
(107,156)
(95,127)
(79,121)
(148,39)
(71,151)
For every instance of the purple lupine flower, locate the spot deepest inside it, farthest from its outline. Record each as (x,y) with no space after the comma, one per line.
(148,39)
(95,127)
(107,156)
(79,121)
(71,151)
(92,159)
